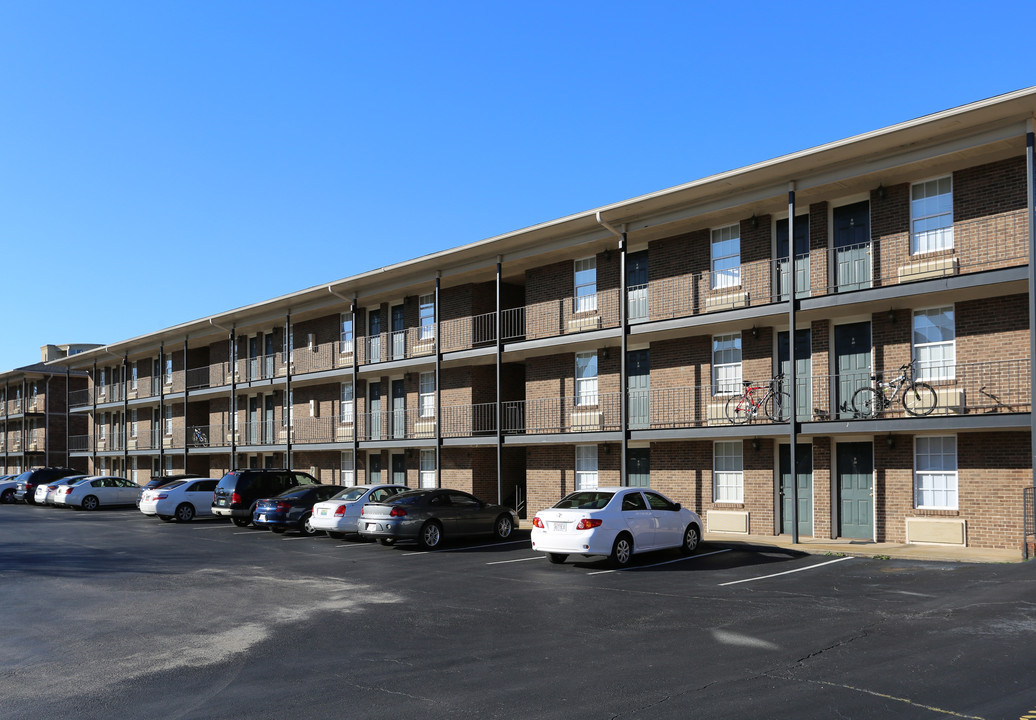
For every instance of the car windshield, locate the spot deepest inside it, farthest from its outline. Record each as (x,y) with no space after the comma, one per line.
(414,497)
(585,500)
(351,494)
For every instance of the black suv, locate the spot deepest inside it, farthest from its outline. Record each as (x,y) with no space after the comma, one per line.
(239,490)
(29,479)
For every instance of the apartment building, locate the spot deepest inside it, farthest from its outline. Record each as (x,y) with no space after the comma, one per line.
(603,348)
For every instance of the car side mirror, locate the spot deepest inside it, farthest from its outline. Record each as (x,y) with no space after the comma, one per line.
(678,506)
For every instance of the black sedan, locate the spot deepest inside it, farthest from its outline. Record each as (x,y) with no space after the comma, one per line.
(430,515)
(293,508)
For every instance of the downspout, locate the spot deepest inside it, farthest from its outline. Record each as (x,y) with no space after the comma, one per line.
(232,408)
(623,342)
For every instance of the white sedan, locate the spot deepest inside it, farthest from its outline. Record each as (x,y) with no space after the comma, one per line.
(616,522)
(93,492)
(183,499)
(44,493)
(339,514)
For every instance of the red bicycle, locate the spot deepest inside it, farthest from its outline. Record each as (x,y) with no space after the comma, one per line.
(775,402)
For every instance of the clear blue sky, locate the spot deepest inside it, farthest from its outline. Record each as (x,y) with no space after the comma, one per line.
(164,161)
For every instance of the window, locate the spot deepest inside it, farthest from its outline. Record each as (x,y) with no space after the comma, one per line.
(103,382)
(726,364)
(346,340)
(586,285)
(168,424)
(427,316)
(726,257)
(934,343)
(935,472)
(289,345)
(133,423)
(728,476)
(426,394)
(586,467)
(133,473)
(133,376)
(288,410)
(169,370)
(168,464)
(931,216)
(347,468)
(346,410)
(428,468)
(586,378)
(102,431)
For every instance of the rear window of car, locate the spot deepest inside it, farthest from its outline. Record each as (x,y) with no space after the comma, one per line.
(295,493)
(413,497)
(174,484)
(585,500)
(229,481)
(351,494)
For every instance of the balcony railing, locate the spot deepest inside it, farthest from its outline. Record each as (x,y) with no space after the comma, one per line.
(585,413)
(562,316)
(395,345)
(468,332)
(402,424)
(13,407)
(469,420)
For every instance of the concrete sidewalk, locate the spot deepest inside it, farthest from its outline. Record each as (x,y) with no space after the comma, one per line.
(861,548)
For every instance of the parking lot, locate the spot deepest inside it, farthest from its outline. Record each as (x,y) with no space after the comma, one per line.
(112,614)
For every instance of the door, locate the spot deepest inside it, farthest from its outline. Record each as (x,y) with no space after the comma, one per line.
(638,467)
(374,336)
(637,286)
(852,242)
(801,258)
(669,523)
(374,467)
(638,385)
(804,480)
(639,520)
(253,357)
(855,468)
(803,370)
(398,334)
(375,411)
(268,419)
(268,356)
(852,364)
(399,469)
(398,410)
(253,420)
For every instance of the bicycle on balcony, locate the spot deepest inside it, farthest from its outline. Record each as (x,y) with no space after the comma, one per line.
(918,398)
(774,401)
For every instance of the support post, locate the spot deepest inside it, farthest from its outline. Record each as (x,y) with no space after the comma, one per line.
(499,390)
(438,387)
(356,417)
(624,323)
(793,423)
(289,405)
(1030,206)
(232,414)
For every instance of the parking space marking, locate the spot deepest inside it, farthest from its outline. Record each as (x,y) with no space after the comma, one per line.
(504,562)
(473,547)
(355,545)
(786,572)
(667,562)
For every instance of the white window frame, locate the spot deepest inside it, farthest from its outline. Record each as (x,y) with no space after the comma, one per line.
(936,483)
(728,471)
(726,265)
(426,394)
(345,411)
(102,391)
(587,475)
(289,346)
(102,432)
(936,360)
(167,421)
(346,471)
(133,470)
(288,410)
(427,471)
(726,370)
(345,341)
(133,376)
(586,383)
(931,215)
(426,316)
(134,418)
(585,294)
(168,375)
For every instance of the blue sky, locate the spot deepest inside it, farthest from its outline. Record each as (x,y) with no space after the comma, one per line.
(164,161)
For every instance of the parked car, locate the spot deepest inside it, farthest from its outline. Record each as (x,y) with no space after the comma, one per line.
(94,492)
(339,514)
(430,515)
(617,522)
(44,494)
(8,484)
(238,492)
(28,480)
(158,481)
(182,500)
(293,508)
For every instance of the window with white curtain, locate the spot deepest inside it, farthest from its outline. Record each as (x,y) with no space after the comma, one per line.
(726,364)
(935,472)
(585,285)
(931,215)
(426,394)
(345,341)
(586,378)
(168,420)
(426,316)
(728,472)
(428,468)
(586,467)
(346,406)
(935,343)
(347,468)
(726,257)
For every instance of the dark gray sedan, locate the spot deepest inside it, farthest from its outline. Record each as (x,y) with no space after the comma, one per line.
(430,515)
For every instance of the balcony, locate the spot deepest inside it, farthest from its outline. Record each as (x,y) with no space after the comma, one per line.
(563,316)
(468,332)
(396,345)
(596,412)
(399,424)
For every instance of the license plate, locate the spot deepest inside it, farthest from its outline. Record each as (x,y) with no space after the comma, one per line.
(323,511)
(372,526)
(223,501)
(262,518)
(559,527)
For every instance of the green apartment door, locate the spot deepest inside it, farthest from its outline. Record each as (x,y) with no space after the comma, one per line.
(803,370)
(638,467)
(855,468)
(637,286)
(638,385)
(804,479)
(852,362)
(852,237)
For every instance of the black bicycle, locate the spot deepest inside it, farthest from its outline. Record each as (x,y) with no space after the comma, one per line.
(918,398)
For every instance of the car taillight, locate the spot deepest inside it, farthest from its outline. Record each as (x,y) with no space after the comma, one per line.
(397,512)
(159,497)
(340,511)
(587,523)
(536,522)
(282,507)
(66,490)
(235,498)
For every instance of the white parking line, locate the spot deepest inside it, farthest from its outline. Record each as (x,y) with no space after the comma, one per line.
(251,532)
(473,547)
(355,545)
(504,562)
(787,572)
(667,562)
(210,527)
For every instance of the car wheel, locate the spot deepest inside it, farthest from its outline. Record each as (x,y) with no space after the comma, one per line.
(241,522)
(622,551)
(557,558)
(335,535)
(90,503)
(306,527)
(185,512)
(691,539)
(503,527)
(165,518)
(387,541)
(431,535)
(7,497)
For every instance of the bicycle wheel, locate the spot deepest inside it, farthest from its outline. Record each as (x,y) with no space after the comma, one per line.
(739,409)
(868,402)
(778,407)
(920,399)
